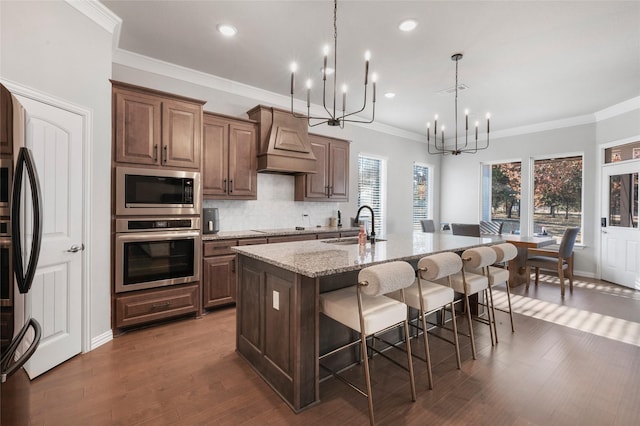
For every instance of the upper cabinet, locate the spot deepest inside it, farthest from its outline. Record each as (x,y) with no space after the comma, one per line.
(331,180)
(6,121)
(155,128)
(229,165)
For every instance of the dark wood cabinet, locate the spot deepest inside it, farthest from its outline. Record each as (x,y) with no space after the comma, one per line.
(156,129)
(147,306)
(290,238)
(229,158)
(331,180)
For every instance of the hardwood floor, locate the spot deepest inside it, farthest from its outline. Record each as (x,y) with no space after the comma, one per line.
(187,373)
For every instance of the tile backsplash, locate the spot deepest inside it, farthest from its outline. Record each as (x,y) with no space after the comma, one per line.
(273,209)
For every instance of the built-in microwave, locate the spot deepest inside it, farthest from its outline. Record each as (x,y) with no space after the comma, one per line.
(156,192)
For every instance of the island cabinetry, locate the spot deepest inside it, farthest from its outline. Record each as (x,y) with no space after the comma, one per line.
(229,158)
(156,129)
(276,316)
(147,306)
(331,180)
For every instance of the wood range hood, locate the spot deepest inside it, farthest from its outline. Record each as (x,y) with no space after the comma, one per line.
(283,145)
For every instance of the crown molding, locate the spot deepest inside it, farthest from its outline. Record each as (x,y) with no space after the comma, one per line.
(618,109)
(148,64)
(99,14)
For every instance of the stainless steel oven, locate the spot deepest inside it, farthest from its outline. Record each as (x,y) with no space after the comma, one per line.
(6,173)
(6,265)
(149,192)
(153,252)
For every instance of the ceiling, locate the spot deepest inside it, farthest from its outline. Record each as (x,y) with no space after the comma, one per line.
(525,62)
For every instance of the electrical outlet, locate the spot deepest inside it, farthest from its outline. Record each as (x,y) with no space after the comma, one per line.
(276,300)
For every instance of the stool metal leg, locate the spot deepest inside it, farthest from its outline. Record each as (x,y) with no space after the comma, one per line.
(467,307)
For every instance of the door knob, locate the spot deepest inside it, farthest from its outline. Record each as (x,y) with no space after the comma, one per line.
(74,248)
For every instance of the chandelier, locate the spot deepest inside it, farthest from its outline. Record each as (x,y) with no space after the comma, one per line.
(335,117)
(456,148)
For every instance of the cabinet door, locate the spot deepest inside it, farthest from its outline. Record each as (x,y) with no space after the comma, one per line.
(219,285)
(317,184)
(339,171)
(242,161)
(181,137)
(215,154)
(137,127)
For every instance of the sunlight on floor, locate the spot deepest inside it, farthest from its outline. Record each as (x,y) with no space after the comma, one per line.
(589,322)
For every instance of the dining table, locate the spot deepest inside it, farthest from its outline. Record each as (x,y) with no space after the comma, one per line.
(518,265)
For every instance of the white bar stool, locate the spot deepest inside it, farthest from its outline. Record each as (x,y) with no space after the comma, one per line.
(468,283)
(434,297)
(365,309)
(498,275)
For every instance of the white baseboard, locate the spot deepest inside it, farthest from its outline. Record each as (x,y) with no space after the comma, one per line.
(100,340)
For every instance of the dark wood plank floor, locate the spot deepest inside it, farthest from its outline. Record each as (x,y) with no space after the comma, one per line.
(187,373)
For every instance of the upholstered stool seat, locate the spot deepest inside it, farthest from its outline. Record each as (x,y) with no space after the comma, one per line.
(365,309)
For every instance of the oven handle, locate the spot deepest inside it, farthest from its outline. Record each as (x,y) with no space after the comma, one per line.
(154,235)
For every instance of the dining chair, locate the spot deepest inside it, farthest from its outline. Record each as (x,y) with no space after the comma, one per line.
(365,309)
(428,225)
(560,261)
(466,229)
(491,227)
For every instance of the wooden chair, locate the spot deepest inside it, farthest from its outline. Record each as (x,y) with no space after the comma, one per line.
(466,229)
(560,261)
(427,225)
(365,309)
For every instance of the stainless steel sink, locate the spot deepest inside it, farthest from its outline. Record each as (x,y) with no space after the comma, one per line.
(346,241)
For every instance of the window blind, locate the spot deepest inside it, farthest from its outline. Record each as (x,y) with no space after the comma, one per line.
(421,195)
(370,189)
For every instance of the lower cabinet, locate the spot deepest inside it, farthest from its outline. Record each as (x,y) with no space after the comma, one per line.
(219,274)
(147,306)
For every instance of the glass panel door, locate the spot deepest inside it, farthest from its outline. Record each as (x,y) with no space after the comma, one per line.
(623,200)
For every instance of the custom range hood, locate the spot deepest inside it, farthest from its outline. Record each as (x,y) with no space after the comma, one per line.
(283,145)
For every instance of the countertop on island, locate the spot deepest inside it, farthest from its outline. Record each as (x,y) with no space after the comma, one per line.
(317,258)
(257,233)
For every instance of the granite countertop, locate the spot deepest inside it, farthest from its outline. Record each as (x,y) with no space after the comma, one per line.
(328,257)
(257,233)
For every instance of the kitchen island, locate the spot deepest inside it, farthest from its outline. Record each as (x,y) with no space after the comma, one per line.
(279,328)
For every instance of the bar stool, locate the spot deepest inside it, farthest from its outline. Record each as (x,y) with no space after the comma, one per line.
(498,275)
(468,283)
(365,309)
(434,297)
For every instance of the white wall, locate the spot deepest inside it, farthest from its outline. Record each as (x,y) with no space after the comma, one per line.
(275,207)
(52,48)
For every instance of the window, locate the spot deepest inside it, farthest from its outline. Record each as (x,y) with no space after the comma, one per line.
(501,195)
(371,178)
(421,194)
(557,195)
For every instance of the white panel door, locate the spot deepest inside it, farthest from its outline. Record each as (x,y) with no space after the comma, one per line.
(55,137)
(620,243)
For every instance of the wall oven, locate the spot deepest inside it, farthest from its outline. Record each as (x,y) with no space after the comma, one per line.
(143,192)
(6,173)
(154,252)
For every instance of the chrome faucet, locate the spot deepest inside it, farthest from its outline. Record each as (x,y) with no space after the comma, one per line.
(371,237)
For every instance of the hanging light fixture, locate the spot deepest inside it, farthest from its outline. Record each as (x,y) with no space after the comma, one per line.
(335,117)
(456,148)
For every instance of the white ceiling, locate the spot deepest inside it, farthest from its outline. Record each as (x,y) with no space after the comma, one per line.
(525,62)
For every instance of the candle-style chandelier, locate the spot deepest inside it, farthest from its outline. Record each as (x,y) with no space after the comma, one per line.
(335,117)
(455,148)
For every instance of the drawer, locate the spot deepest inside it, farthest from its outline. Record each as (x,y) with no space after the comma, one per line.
(290,238)
(155,305)
(252,241)
(216,248)
(349,234)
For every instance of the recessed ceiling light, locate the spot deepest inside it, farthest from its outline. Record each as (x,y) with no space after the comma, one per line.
(390,95)
(408,25)
(227,30)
